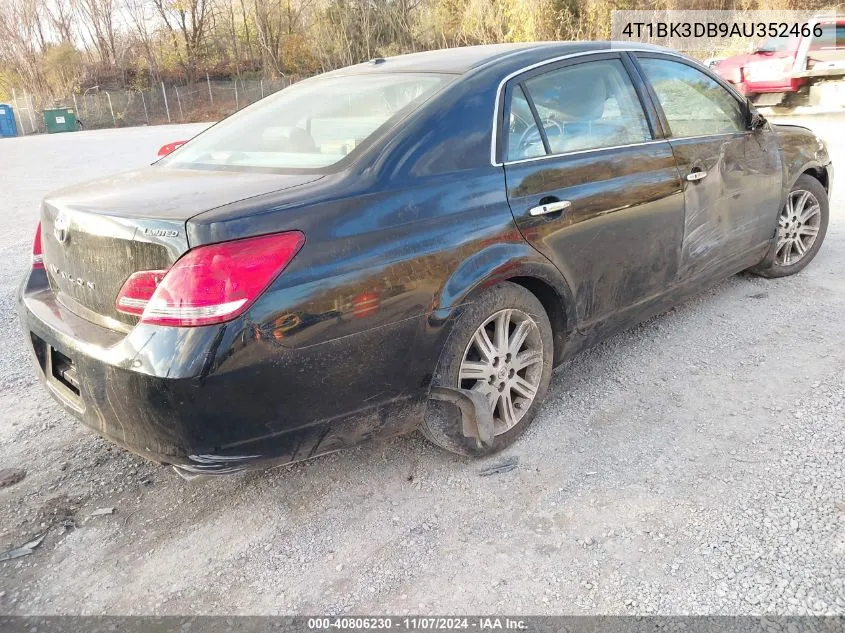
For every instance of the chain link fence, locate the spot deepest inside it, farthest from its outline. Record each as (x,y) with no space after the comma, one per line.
(208,100)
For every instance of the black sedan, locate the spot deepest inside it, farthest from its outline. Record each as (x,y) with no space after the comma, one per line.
(409,243)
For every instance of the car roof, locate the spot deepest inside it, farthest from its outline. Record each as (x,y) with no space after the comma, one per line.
(464,59)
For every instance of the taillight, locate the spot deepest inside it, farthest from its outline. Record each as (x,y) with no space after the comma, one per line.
(138,290)
(164,150)
(37,253)
(209,284)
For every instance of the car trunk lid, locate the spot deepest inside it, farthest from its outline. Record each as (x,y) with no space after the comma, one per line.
(95,235)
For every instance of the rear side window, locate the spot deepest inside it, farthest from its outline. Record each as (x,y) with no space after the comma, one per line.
(694,104)
(585,106)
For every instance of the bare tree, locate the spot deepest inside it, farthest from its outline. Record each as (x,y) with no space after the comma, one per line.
(98,18)
(276,22)
(62,19)
(22,42)
(186,22)
(141,14)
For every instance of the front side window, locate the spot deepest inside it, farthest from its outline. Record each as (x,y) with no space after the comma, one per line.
(310,125)
(586,106)
(694,104)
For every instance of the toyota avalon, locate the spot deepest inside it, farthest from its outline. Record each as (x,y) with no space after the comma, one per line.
(411,243)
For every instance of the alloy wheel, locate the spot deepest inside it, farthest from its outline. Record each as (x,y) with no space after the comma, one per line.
(504,362)
(798,227)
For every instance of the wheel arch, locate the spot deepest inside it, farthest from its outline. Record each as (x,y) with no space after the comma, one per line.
(816,171)
(518,263)
(796,166)
(554,304)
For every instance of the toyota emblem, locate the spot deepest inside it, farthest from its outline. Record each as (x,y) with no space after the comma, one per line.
(60,228)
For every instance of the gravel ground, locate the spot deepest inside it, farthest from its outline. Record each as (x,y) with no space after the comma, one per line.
(691,465)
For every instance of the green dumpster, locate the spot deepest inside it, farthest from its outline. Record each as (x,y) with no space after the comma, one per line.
(60,120)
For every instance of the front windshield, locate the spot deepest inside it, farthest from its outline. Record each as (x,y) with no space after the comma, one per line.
(310,125)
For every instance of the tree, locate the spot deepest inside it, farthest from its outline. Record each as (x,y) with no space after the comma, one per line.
(186,22)
(97,17)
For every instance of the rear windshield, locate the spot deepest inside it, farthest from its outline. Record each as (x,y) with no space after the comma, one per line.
(310,125)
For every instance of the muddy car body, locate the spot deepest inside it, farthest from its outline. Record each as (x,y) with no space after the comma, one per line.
(455,214)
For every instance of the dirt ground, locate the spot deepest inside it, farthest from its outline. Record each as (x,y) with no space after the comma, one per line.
(691,465)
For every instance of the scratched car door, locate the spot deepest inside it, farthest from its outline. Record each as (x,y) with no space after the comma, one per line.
(732,174)
(590,182)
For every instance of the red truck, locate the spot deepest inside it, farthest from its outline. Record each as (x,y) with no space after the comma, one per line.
(804,69)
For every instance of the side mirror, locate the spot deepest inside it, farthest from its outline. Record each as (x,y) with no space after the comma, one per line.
(164,150)
(754,119)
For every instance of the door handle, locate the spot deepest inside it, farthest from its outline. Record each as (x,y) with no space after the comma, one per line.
(550,207)
(695,176)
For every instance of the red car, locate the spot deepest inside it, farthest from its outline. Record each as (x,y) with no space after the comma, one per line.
(791,68)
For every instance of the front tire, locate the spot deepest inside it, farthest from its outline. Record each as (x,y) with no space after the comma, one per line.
(802,225)
(502,347)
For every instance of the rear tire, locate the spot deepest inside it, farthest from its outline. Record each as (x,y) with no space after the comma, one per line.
(506,372)
(802,225)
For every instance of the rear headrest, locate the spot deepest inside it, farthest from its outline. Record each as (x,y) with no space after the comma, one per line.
(582,96)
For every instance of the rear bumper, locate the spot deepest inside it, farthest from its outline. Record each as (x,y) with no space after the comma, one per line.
(222,398)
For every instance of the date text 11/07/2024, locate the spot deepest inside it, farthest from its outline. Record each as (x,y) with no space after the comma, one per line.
(417,624)
(640,30)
